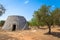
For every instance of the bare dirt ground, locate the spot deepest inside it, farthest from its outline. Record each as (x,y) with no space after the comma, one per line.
(37,34)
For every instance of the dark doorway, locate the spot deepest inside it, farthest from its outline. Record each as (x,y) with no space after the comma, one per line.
(14,27)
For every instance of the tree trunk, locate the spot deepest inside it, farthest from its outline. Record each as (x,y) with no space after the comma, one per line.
(49,29)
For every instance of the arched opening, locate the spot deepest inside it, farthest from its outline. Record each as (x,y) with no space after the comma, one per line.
(14,27)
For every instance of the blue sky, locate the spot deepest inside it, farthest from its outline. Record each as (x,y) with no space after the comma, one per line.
(25,8)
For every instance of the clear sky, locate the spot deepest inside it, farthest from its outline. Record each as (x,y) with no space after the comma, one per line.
(25,8)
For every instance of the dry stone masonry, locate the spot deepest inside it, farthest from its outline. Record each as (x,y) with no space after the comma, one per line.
(15,23)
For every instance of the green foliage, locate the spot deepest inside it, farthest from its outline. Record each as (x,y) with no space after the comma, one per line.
(56,16)
(2,9)
(43,15)
(32,22)
(2,22)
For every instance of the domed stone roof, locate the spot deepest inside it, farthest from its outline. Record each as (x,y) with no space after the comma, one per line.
(15,22)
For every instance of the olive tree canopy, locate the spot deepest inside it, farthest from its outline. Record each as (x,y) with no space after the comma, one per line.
(2,9)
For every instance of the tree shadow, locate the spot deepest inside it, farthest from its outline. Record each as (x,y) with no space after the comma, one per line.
(6,37)
(58,29)
(55,34)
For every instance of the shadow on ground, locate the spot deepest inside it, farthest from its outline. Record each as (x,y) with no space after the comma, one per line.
(6,37)
(55,34)
(58,29)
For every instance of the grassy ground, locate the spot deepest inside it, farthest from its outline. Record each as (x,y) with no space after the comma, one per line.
(38,34)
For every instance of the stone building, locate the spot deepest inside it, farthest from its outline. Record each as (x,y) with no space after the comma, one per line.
(14,23)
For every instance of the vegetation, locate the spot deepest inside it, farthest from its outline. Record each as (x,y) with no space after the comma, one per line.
(2,22)
(46,16)
(2,9)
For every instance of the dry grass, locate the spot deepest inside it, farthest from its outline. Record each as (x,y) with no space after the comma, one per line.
(38,34)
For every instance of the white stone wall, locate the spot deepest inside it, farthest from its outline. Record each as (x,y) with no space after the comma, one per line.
(20,22)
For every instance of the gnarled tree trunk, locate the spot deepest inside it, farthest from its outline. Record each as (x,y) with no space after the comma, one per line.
(49,27)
